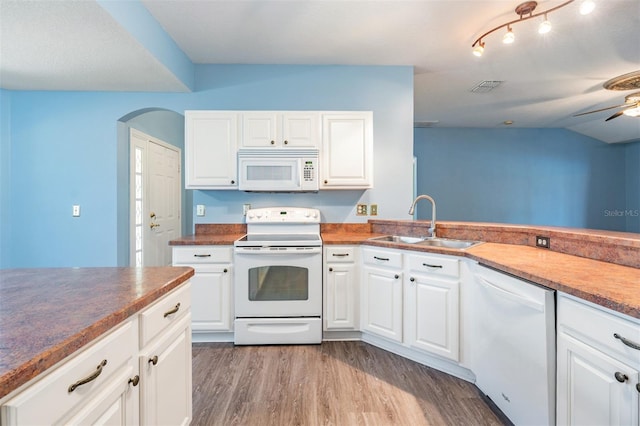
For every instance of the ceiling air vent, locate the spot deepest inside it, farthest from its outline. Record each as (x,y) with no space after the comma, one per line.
(486,86)
(421,124)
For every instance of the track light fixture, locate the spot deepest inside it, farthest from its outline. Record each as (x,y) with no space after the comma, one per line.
(525,12)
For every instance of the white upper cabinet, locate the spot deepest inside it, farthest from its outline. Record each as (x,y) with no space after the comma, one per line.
(261,129)
(211,139)
(344,141)
(347,150)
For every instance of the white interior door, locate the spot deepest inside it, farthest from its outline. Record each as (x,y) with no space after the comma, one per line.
(155,199)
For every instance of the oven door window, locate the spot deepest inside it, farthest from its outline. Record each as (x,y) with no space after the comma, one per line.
(270,283)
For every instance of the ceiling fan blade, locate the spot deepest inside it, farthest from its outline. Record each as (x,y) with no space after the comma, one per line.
(603,109)
(617,114)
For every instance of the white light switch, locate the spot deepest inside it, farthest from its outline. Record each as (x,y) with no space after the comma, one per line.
(200,210)
(76,211)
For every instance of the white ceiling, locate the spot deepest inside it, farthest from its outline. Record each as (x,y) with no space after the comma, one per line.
(78,45)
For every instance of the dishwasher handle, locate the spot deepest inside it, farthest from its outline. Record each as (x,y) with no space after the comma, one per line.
(514,297)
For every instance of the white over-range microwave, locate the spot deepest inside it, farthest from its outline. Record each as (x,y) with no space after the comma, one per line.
(278,169)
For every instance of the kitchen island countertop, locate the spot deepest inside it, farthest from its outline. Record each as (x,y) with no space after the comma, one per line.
(48,314)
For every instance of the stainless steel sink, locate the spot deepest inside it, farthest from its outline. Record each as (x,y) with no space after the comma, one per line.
(431,242)
(399,239)
(447,243)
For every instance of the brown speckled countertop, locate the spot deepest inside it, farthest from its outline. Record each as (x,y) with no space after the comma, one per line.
(48,314)
(212,234)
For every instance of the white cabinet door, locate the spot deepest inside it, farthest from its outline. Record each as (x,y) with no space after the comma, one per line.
(259,129)
(341,288)
(301,129)
(116,404)
(432,315)
(211,140)
(340,302)
(280,129)
(165,377)
(382,302)
(211,298)
(593,388)
(347,151)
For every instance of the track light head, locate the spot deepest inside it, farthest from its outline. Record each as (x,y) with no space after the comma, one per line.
(509,36)
(545,26)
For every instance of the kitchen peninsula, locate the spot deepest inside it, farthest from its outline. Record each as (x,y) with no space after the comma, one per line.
(602,267)
(61,314)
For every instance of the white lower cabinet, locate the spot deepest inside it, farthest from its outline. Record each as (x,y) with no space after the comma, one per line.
(212,298)
(103,383)
(598,378)
(381,301)
(431,307)
(165,377)
(341,289)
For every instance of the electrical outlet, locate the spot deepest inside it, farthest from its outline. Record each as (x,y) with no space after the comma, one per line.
(361,209)
(200,210)
(245,209)
(76,211)
(544,242)
(374,210)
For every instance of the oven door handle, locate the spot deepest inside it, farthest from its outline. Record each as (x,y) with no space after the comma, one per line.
(278,251)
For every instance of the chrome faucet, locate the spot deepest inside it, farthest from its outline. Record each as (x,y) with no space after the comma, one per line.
(432,228)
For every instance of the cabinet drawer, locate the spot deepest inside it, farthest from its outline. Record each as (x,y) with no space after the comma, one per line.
(49,401)
(381,257)
(202,254)
(164,313)
(599,328)
(340,254)
(432,264)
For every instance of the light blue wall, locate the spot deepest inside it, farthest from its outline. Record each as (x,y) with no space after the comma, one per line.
(527,176)
(66,149)
(632,169)
(5,176)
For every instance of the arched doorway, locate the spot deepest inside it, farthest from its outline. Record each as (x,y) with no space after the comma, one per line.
(167,126)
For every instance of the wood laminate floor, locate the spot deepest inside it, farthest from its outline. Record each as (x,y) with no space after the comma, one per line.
(336,383)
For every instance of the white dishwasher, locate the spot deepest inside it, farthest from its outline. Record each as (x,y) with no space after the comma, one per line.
(512,346)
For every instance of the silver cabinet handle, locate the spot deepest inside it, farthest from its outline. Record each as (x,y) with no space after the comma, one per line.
(396,276)
(172,311)
(431,266)
(386,259)
(88,378)
(627,342)
(340,254)
(201,255)
(412,279)
(621,377)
